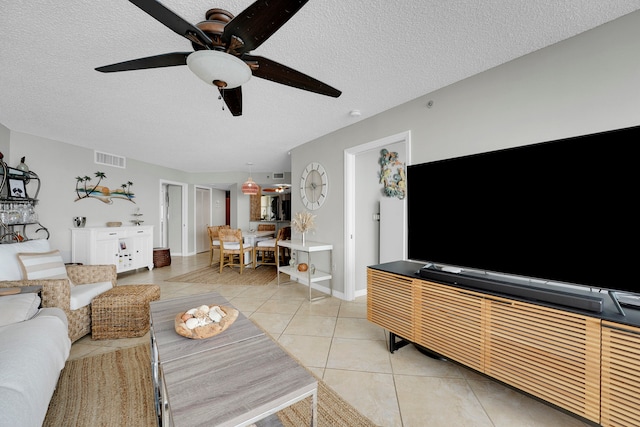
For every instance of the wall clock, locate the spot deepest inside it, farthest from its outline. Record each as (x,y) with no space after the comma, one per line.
(313,186)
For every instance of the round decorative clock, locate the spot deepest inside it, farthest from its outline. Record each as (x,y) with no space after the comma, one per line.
(313,186)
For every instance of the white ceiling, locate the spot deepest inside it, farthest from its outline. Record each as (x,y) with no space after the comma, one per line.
(378,53)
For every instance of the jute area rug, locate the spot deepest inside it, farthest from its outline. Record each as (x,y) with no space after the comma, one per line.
(262,275)
(116,389)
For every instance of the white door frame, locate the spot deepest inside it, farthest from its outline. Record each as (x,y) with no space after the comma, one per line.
(183,234)
(350,241)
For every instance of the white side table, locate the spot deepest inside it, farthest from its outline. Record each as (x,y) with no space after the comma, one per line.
(307,277)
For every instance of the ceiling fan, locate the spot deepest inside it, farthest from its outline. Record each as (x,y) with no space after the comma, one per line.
(221,46)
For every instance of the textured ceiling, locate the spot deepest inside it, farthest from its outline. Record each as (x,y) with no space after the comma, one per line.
(378,53)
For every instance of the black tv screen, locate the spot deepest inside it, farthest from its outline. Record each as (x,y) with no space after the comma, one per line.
(562,211)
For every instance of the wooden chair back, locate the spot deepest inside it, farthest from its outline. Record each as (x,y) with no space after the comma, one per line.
(232,247)
(214,244)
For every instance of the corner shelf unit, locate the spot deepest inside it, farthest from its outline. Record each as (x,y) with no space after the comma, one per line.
(17,208)
(306,277)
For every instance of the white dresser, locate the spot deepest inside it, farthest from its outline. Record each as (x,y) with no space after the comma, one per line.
(128,248)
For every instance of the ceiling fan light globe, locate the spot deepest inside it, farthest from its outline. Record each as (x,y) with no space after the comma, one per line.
(214,67)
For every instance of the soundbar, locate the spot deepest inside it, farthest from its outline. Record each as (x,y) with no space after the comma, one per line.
(552,296)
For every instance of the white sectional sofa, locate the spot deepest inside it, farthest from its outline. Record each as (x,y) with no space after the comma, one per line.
(36,330)
(33,351)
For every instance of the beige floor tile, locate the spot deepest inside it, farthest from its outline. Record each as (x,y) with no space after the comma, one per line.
(318,372)
(353,309)
(349,327)
(229,291)
(439,402)
(470,374)
(373,394)
(359,355)
(507,408)
(291,291)
(280,306)
(274,323)
(310,351)
(409,361)
(258,292)
(320,326)
(246,305)
(323,307)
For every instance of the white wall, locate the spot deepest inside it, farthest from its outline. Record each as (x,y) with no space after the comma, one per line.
(586,84)
(218,211)
(58,164)
(4,141)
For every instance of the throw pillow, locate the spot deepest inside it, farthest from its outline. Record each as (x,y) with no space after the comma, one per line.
(18,308)
(42,265)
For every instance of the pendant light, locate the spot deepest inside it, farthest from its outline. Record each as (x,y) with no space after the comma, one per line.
(249,187)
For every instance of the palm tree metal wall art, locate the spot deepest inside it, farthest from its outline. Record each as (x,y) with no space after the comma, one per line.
(84,190)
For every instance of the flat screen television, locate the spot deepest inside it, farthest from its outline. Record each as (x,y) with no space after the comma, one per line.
(560,211)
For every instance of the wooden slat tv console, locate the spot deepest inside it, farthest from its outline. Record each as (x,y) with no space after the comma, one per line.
(555,354)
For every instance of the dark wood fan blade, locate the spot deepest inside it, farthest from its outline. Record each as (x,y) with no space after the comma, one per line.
(158,61)
(258,22)
(174,22)
(233,99)
(278,73)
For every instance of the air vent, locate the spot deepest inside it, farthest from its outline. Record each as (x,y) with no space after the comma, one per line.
(110,160)
(278,175)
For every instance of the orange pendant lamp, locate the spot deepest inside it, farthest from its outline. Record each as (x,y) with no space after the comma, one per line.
(250,188)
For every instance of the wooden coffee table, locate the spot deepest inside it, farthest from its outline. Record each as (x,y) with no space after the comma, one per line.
(233,379)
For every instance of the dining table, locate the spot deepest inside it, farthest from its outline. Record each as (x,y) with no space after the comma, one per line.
(251,236)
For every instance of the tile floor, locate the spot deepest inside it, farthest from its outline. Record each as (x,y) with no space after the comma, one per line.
(334,339)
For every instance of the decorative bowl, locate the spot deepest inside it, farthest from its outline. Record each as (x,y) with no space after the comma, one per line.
(114,224)
(209,330)
(302,267)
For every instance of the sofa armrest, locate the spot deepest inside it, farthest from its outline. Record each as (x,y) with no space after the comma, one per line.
(83,274)
(55,292)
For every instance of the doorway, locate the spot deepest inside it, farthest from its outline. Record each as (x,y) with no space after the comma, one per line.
(202,218)
(173,208)
(352,265)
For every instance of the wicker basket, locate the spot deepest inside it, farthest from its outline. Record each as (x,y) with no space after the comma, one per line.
(161,257)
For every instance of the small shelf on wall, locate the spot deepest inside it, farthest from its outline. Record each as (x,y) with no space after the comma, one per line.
(303,276)
(19,191)
(311,275)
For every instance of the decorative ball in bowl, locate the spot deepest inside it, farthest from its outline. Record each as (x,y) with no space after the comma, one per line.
(302,267)
(205,321)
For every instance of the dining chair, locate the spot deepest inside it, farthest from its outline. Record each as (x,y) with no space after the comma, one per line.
(232,249)
(286,252)
(265,251)
(214,242)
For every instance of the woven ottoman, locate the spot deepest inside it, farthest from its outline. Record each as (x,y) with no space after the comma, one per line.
(122,311)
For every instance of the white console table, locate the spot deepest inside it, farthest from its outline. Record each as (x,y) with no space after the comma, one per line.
(307,277)
(128,248)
